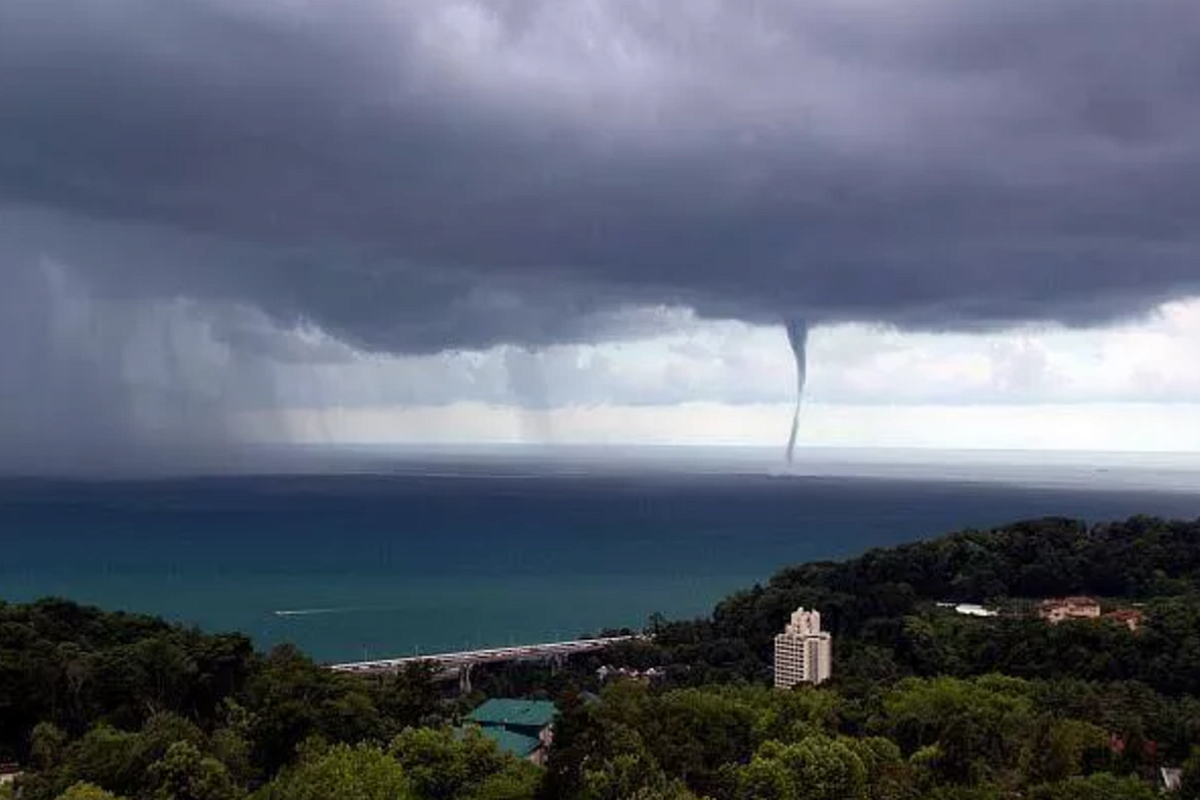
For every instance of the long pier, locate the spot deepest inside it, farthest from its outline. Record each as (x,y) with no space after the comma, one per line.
(459,664)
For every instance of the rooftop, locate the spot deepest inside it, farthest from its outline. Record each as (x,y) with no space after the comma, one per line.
(1070,601)
(520,713)
(517,744)
(1125,613)
(975,610)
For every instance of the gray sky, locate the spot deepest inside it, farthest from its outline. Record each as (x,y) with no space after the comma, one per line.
(206,205)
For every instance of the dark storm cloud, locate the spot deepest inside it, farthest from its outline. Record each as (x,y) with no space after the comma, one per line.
(414,176)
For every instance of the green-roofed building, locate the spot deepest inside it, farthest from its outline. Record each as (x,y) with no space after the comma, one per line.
(523,716)
(521,727)
(518,744)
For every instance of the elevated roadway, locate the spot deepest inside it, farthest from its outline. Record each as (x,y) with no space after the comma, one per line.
(459,664)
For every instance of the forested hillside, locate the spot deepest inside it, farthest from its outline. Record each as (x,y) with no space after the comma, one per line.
(925,703)
(880,607)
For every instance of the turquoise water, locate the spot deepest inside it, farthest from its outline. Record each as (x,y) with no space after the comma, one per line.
(349,567)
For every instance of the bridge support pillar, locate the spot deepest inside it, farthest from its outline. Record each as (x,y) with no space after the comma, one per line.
(464,678)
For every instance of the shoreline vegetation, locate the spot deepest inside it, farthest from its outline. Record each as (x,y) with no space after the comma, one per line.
(924,702)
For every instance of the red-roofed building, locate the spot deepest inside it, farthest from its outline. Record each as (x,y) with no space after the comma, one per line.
(1129,617)
(1059,609)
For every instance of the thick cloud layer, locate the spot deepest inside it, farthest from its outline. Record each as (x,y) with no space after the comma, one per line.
(414,176)
(195,192)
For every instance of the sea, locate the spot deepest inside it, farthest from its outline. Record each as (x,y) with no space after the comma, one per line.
(378,554)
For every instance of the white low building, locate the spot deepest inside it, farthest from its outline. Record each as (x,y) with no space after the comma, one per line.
(970,609)
(9,772)
(803,652)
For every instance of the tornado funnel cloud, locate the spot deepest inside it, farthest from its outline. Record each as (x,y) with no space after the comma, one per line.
(797,333)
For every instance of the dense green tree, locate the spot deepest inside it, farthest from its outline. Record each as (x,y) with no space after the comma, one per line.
(72,666)
(692,733)
(1058,748)
(889,777)
(444,763)
(765,778)
(86,791)
(107,757)
(293,699)
(341,772)
(985,791)
(160,733)
(792,715)
(979,726)
(233,751)
(412,697)
(1190,789)
(513,783)
(815,768)
(626,775)
(47,744)
(184,773)
(599,753)
(1101,786)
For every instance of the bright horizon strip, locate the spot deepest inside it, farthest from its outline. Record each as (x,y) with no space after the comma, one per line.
(1108,427)
(1132,387)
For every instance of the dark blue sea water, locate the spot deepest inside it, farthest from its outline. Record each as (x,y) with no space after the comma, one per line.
(391,565)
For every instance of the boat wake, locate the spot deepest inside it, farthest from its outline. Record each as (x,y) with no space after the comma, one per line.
(311,612)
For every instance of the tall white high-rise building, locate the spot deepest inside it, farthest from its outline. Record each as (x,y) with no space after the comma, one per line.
(803,652)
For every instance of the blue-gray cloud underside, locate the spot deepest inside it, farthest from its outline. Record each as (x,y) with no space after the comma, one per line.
(414,181)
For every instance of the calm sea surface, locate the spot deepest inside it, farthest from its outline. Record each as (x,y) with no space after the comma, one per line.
(431,560)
